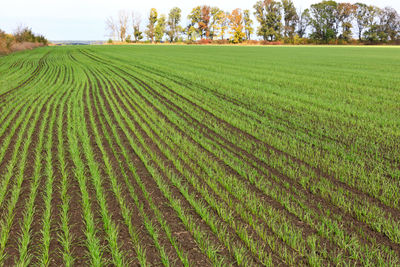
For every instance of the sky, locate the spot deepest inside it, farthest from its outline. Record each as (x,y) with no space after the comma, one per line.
(85,19)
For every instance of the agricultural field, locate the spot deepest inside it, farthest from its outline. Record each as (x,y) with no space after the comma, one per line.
(200,156)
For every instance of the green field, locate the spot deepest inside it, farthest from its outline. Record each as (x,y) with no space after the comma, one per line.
(200,155)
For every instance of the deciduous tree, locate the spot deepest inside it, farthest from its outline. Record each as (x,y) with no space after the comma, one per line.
(324,21)
(269,15)
(136,20)
(361,18)
(248,22)
(195,18)
(204,24)
(160,28)
(122,24)
(174,18)
(346,13)
(222,23)
(303,23)
(215,13)
(192,33)
(389,21)
(290,17)
(111,27)
(236,26)
(151,26)
(372,24)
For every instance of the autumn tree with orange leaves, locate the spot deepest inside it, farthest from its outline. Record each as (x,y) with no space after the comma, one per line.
(204,23)
(236,26)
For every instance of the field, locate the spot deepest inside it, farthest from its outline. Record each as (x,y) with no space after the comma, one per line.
(200,156)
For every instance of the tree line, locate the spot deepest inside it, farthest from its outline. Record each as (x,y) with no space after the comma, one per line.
(23,38)
(278,21)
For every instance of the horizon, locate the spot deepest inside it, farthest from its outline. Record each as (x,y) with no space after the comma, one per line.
(65,22)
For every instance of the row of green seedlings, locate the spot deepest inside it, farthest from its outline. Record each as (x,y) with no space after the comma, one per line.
(223,186)
(64,237)
(211,182)
(15,121)
(159,216)
(74,136)
(13,75)
(124,97)
(12,93)
(149,225)
(390,193)
(283,165)
(167,65)
(239,252)
(126,213)
(210,249)
(56,120)
(116,188)
(301,81)
(26,256)
(375,181)
(110,227)
(390,224)
(15,113)
(18,177)
(18,123)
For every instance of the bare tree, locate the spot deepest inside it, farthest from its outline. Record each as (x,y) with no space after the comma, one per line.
(111,27)
(122,24)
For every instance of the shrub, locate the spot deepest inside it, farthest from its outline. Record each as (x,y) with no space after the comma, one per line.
(204,41)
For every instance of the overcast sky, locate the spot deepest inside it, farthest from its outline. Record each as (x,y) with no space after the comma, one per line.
(84,19)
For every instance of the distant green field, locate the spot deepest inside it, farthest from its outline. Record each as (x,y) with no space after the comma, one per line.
(200,156)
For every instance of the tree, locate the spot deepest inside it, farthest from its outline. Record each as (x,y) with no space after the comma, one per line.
(192,33)
(236,25)
(215,13)
(248,22)
(160,28)
(372,24)
(122,25)
(268,14)
(174,18)
(111,27)
(195,18)
(389,21)
(222,22)
(324,21)
(304,21)
(24,34)
(290,17)
(200,16)
(346,13)
(151,26)
(136,20)
(361,14)
(204,24)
